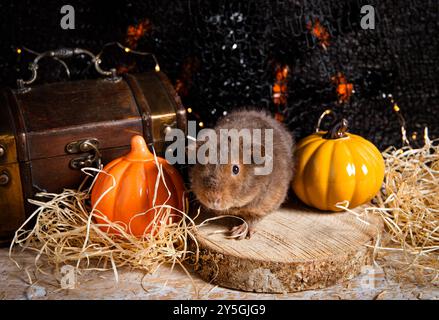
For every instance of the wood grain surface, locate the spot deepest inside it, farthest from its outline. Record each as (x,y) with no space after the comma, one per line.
(167,284)
(293,249)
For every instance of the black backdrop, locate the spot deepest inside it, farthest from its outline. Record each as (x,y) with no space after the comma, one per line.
(224,54)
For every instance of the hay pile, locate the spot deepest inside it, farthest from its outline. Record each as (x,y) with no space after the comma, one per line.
(63,231)
(409,206)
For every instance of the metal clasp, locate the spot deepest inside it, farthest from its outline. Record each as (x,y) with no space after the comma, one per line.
(90,153)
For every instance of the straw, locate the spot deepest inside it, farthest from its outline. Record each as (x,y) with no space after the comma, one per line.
(64,230)
(409,206)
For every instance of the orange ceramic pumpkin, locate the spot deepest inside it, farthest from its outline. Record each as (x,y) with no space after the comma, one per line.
(135,175)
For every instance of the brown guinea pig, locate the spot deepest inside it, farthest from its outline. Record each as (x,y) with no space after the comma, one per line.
(236,187)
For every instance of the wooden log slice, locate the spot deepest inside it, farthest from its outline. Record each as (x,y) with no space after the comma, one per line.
(293,249)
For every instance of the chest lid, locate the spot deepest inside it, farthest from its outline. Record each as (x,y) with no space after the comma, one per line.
(50,117)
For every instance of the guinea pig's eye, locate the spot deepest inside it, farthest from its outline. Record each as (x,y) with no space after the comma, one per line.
(235,169)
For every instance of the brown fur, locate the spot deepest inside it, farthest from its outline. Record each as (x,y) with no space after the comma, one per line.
(246,195)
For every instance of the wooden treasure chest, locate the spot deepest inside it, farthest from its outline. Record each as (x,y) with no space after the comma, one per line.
(49,132)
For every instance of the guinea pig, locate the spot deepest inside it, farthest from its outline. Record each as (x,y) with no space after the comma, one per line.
(236,187)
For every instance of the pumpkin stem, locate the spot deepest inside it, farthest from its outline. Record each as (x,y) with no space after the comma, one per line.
(139,150)
(337,130)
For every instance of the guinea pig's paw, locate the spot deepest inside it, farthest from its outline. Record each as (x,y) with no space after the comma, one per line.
(240,232)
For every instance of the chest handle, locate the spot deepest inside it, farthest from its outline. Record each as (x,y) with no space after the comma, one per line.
(64,53)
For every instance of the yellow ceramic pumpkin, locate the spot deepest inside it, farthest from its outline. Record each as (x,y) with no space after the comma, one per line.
(336,166)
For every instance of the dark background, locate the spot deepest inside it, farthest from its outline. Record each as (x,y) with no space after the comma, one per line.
(224,54)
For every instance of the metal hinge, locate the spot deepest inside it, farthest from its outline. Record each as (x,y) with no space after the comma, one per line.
(90,155)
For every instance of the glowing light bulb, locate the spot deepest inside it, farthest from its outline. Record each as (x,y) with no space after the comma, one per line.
(127,49)
(201,124)
(18,50)
(189,110)
(414,135)
(396,108)
(157,68)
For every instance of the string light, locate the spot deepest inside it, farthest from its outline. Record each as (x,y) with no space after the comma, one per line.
(401,119)
(414,135)
(189,110)
(131,51)
(126,49)
(201,124)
